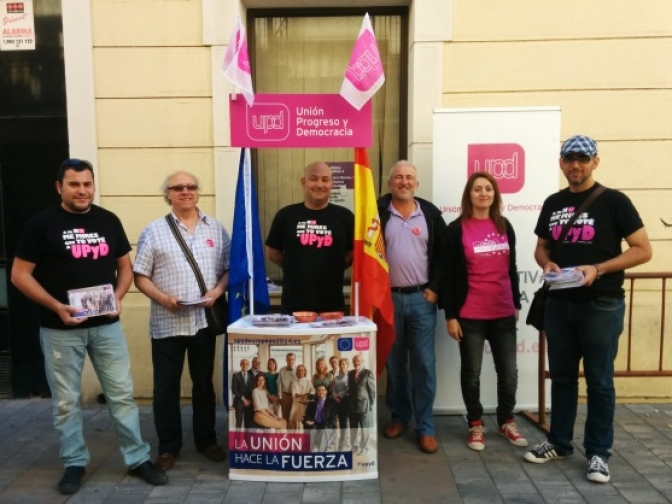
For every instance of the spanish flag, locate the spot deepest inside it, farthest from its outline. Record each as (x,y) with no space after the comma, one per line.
(370,266)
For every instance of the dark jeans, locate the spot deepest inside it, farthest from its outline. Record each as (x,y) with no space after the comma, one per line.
(587,330)
(501,334)
(168,360)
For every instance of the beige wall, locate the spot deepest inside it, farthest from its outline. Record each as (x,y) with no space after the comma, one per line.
(608,65)
(154,115)
(158,102)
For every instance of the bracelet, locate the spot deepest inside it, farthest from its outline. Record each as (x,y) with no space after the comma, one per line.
(600,271)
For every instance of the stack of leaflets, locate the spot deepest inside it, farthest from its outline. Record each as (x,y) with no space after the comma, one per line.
(566,278)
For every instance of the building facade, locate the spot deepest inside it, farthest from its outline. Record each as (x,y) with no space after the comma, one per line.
(144,95)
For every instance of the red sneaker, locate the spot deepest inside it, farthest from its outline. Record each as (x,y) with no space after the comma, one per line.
(510,432)
(476,436)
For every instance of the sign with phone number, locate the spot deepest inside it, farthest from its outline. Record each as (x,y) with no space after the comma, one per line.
(17,23)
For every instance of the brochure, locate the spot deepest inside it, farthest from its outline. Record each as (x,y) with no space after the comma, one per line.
(566,278)
(193,302)
(93,301)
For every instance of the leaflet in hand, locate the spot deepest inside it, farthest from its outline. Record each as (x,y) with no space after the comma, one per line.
(193,301)
(566,278)
(93,301)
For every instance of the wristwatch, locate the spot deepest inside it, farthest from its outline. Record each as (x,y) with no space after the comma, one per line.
(600,271)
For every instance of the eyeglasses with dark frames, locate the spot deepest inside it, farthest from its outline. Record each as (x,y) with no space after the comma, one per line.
(581,158)
(182,187)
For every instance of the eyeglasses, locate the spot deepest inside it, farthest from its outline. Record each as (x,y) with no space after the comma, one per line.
(76,162)
(180,188)
(581,158)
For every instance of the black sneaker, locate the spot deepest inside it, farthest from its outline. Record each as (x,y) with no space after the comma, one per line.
(598,470)
(148,472)
(542,453)
(71,480)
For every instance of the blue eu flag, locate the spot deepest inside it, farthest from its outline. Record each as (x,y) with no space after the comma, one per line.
(247,252)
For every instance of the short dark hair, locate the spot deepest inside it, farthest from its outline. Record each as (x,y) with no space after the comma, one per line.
(79,165)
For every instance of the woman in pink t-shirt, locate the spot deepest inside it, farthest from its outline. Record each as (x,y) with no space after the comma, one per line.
(481,301)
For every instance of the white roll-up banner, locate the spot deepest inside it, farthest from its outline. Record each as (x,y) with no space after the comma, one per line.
(520,148)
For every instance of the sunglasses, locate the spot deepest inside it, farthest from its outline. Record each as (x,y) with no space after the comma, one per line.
(76,162)
(581,158)
(180,188)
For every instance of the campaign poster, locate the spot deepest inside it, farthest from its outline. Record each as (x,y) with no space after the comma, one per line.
(299,425)
(18,26)
(343,191)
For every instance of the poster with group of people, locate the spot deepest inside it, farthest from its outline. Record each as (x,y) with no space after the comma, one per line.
(302,406)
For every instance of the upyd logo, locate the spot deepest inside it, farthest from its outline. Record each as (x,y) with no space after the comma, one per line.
(268,122)
(505,162)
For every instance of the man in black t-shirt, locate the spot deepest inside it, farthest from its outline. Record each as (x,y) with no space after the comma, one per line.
(585,322)
(71,246)
(312,243)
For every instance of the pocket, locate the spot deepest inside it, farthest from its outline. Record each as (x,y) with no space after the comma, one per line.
(606,304)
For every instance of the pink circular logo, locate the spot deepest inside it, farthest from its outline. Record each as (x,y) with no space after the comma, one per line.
(416,231)
(210,242)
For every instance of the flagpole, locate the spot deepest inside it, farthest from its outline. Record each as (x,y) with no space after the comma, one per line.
(251,298)
(357,301)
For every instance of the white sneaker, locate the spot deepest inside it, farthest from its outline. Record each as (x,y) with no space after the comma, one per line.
(598,470)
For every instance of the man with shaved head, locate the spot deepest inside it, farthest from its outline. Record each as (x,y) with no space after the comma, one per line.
(164,275)
(312,243)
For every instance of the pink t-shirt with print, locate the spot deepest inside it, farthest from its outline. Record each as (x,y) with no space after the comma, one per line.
(487,254)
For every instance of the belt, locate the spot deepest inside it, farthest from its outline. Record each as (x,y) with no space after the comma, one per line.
(410,290)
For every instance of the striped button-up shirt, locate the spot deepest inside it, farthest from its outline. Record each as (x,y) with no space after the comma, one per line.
(160,257)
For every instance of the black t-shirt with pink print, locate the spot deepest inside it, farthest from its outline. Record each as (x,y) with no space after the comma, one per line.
(73,251)
(314,243)
(596,236)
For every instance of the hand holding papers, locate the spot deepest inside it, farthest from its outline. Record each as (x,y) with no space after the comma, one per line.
(93,301)
(566,278)
(194,301)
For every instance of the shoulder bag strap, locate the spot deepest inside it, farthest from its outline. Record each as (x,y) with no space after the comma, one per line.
(190,257)
(582,208)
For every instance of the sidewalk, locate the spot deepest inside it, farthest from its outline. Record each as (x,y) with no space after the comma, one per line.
(640,467)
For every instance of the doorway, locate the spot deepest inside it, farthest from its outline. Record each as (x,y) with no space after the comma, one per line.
(33,142)
(307,51)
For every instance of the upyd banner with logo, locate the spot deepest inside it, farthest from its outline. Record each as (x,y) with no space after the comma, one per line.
(520,148)
(299,120)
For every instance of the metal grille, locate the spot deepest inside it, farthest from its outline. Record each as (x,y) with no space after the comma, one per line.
(5,376)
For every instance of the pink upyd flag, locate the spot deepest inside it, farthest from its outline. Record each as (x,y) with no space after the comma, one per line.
(364,75)
(237,63)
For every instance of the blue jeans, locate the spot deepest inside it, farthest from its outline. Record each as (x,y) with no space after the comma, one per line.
(411,365)
(64,353)
(501,334)
(588,330)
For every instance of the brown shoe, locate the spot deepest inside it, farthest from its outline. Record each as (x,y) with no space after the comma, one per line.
(394,430)
(213,452)
(165,462)
(428,444)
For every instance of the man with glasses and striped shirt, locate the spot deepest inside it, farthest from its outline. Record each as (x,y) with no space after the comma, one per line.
(177,323)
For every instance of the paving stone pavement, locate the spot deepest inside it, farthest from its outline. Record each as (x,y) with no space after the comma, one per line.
(641,466)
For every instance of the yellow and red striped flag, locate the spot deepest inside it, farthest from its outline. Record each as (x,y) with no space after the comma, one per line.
(370,266)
